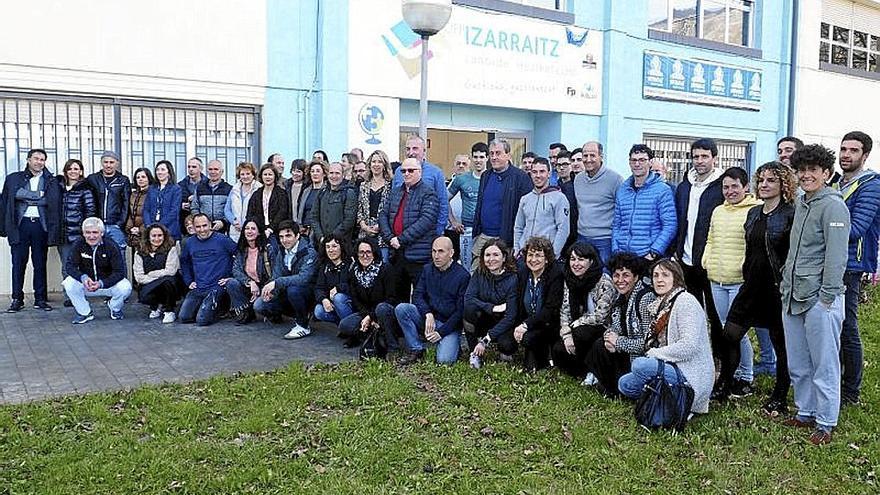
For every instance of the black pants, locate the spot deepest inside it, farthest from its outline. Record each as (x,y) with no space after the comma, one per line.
(698,284)
(482,322)
(33,243)
(406,275)
(160,292)
(584,337)
(536,346)
(730,356)
(607,366)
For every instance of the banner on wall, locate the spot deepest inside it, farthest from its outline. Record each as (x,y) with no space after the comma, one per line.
(374,124)
(479,58)
(700,81)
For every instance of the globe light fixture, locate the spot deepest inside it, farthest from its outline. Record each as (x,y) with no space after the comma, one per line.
(426,18)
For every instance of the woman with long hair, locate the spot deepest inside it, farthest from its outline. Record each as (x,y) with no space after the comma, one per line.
(143,179)
(373,196)
(77,204)
(758,303)
(677,335)
(490,303)
(295,186)
(372,296)
(239,198)
(540,298)
(587,298)
(331,287)
(269,208)
(156,263)
(251,270)
(723,260)
(162,205)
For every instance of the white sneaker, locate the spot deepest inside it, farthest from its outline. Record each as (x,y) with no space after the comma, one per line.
(169,317)
(297,332)
(590,380)
(475,362)
(155,313)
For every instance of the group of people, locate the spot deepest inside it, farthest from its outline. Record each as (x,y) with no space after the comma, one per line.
(562,258)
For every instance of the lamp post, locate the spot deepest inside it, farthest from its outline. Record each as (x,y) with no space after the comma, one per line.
(426,18)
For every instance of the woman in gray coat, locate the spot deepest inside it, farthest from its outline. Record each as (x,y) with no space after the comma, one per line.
(678,335)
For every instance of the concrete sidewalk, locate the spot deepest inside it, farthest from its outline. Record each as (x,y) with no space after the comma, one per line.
(43,355)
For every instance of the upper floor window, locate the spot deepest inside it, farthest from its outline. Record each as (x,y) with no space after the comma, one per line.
(849,47)
(543,4)
(724,21)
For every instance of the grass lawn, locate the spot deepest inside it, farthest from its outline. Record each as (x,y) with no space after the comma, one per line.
(374,428)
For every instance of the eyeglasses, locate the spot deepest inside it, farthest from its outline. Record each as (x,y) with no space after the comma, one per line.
(408,170)
(365,253)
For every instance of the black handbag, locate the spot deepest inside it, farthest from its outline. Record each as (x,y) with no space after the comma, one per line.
(665,405)
(374,347)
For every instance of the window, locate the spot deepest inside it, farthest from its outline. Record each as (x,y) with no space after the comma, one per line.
(723,21)
(846,46)
(675,152)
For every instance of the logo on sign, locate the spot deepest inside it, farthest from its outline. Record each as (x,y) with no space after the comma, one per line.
(371,120)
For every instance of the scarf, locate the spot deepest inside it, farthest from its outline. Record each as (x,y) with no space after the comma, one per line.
(579,288)
(366,276)
(661,308)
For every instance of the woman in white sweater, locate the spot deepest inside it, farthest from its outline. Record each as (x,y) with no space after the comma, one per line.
(678,335)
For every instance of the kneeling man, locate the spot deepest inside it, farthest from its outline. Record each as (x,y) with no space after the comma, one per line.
(95,268)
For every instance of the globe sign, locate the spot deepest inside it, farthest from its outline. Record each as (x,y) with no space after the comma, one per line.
(371,120)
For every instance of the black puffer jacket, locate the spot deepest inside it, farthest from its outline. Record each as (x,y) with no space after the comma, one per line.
(77,204)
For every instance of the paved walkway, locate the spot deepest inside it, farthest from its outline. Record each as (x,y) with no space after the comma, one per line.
(42,355)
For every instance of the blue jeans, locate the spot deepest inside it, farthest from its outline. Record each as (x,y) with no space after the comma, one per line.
(239,294)
(643,369)
(850,341)
(115,233)
(77,294)
(723,296)
(812,341)
(602,245)
(412,324)
(201,306)
(341,309)
(465,243)
(767,358)
(294,299)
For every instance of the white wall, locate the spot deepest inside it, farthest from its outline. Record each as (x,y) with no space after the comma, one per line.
(206,50)
(828,104)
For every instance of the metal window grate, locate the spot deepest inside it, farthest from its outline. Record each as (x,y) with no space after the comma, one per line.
(141,132)
(675,152)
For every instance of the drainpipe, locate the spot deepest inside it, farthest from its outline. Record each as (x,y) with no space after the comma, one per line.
(307,97)
(792,75)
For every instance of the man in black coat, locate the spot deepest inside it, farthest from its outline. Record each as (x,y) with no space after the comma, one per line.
(30,211)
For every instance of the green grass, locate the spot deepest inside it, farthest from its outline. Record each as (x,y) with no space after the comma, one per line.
(373,428)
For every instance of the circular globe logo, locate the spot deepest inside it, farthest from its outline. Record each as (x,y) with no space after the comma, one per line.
(371,120)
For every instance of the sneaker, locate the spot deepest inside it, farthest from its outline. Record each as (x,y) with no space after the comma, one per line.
(297,332)
(475,362)
(155,313)
(411,357)
(42,305)
(169,317)
(590,380)
(820,436)
(740,389)
(16,306)
(80,319)
(775,408)
(116,315)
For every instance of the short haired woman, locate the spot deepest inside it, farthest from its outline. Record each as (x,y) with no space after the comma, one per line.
(540,298)
(372,293)
(236,207)
(332,286)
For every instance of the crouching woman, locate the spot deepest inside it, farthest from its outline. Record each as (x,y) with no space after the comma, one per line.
(677,335)
(490,303)
(156,263)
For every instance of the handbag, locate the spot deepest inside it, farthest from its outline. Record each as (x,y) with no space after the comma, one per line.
(374,347)
(665,405)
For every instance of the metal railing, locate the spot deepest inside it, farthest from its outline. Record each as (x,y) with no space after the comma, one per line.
(675,152)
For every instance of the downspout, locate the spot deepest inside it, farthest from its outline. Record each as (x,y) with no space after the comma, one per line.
(792,72)
(307,97)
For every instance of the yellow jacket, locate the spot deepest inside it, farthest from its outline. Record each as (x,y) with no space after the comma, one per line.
(726,243)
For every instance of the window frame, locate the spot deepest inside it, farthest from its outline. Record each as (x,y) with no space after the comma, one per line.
(830,42)
(747,6)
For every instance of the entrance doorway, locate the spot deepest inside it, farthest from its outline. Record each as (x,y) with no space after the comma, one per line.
(444,144)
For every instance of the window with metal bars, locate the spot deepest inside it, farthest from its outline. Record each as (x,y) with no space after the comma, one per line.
(675,152)
(141,132)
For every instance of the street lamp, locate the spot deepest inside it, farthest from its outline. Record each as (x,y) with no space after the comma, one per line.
(426,18)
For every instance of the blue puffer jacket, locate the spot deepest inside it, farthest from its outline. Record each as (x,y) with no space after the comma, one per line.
(419,221)
(644,218)
(862,197)
(166,204)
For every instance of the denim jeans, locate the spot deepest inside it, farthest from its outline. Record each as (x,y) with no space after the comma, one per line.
(767,358)
(812,340)
(643,369)
(412,324)
(850,341)
(341,309)
(77,294)
(115,233)
(602,245)
(292,300)
(465,243)
(723,296)
(201,306)
(239,294)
